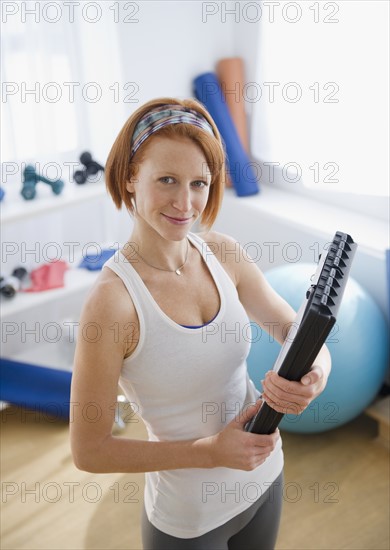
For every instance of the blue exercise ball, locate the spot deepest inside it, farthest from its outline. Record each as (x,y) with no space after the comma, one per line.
(358,344)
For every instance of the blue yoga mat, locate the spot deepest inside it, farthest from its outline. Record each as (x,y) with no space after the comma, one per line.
(38,388)
(240,167)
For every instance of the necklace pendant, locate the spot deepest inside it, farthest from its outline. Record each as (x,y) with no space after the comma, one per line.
(177,271)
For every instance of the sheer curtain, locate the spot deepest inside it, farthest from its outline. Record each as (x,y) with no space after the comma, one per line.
(58,67)
(323,112)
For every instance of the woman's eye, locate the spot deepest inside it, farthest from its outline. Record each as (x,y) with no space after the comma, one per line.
(166,179)
(200,184)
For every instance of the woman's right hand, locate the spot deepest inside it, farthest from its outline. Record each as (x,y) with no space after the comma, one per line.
(233,447)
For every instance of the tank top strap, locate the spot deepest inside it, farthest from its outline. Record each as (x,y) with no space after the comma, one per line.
(217,270)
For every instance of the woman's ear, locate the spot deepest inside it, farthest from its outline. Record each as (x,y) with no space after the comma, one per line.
(130,186)
(132,177)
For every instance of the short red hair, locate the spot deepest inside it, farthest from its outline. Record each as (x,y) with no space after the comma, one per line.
(120,169)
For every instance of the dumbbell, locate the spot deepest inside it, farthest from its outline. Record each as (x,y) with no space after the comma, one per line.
(2,193)
(91,168)
(9,286)
(30,180)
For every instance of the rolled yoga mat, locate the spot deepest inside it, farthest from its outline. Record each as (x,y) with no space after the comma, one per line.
(41,389)
(231,76)
(240,167)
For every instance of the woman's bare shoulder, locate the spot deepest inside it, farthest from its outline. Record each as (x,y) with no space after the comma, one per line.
(221,244)
(109,306)
(108,297)
(211,237)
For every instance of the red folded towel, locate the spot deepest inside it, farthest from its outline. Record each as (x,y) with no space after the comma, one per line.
(47,276)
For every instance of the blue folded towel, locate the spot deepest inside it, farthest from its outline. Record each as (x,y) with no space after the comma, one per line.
(94,262)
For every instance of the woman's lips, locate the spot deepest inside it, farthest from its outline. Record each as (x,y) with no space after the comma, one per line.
(177,221)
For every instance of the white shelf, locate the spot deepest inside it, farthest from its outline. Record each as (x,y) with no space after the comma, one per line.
(75,280)
(300,211)
(14,207)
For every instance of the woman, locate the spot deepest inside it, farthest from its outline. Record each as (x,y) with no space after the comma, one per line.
(172,310)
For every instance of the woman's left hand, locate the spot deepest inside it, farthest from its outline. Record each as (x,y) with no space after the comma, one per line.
(289,397)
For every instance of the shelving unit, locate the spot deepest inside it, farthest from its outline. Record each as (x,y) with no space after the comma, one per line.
(30,306)
(75,280)
(45,308)
(14,208)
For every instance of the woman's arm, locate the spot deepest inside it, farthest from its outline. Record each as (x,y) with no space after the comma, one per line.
(274,315)
(98,361)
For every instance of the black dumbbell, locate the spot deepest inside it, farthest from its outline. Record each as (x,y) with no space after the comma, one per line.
(91,168)
(9,286)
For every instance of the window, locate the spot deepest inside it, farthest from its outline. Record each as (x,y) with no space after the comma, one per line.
(323,73)
(38,118)
(60,69)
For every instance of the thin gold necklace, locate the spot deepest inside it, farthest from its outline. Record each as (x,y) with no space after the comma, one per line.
(177,270)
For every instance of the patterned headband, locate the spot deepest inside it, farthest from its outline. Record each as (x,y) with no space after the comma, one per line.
(163,116)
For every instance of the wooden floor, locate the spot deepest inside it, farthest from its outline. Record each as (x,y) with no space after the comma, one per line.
(336,492)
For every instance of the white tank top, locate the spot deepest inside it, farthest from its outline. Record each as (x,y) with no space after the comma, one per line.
(188,383)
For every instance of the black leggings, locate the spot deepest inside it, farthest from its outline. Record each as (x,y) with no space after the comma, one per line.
(254,529)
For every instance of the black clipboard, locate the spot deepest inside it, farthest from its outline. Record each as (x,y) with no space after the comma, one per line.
(313,323)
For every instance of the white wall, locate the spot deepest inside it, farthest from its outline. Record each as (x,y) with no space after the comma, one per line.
(172,43)
(274,237)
